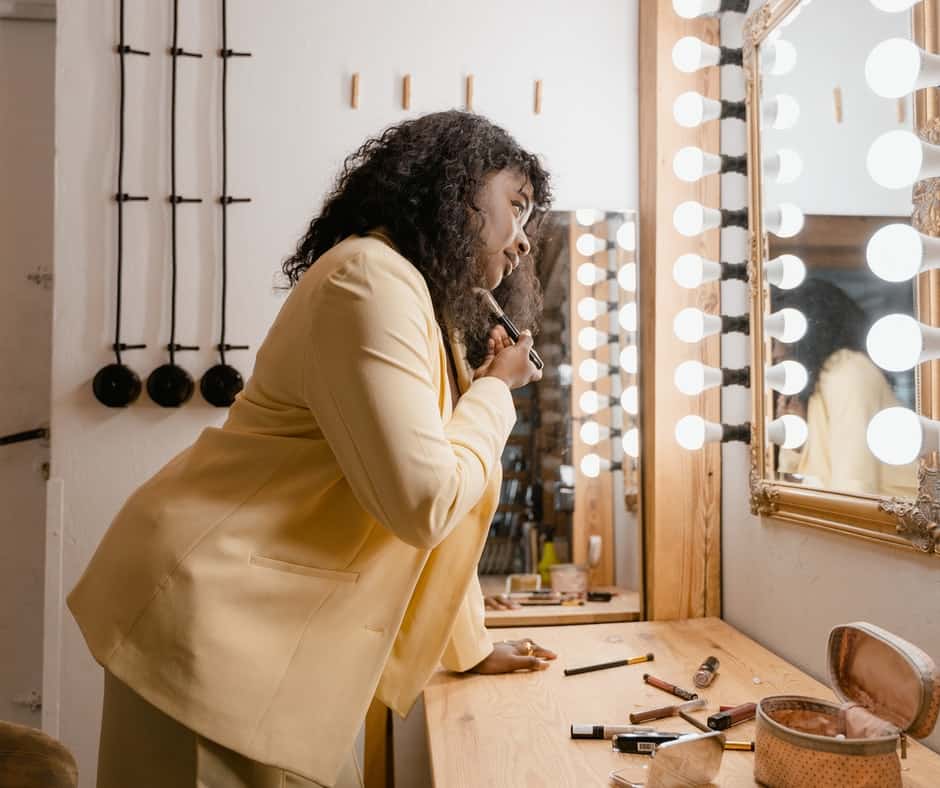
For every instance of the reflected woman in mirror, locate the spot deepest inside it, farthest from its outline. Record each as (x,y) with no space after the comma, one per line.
(320,550)
(845,390)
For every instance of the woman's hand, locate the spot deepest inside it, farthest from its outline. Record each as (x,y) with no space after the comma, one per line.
(497,342)
(500,602)
(509,362)
(509,656)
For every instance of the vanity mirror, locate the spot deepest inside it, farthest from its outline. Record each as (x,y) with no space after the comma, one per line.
(571,469)
(831,227)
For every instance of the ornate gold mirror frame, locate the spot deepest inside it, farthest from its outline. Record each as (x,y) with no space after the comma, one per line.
(902,523)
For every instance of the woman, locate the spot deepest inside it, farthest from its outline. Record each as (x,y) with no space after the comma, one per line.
(320,548)
(844,391)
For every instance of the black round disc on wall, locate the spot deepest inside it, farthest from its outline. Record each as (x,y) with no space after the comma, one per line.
(220,384)
(170,386)
(116,386)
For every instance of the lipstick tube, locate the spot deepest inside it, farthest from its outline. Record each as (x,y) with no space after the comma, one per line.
(723,720)
(672,689)
(605,731)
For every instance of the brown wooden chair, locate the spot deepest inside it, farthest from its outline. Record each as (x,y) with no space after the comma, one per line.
(31,759)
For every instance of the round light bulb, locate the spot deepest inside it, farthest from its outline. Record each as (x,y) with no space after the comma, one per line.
(895,436)
(566,474)
(691,164)
(785,221)
(589,309)
(589,338)
(692,109)
(786,166)
(787,325)
(626,277)
(591,433)
(690,432)
(893,6)
(693,270)
(895,343)
(589,402)
(630,359)
(564,374)
(591,465)
(794,429)
(693,325)
(895,159)
(626,236)
(590,370)
(690,54)
(895,253)
(892,68)
(590,274)
(690,378)
(630,400)
(631,442)
(786,271)
(587,217)
(589,244)
(782,112)
(779,57)
(788,377)
(692,218)
(626,317)
(690,9)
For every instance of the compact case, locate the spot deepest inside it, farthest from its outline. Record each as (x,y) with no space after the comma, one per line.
(889,689)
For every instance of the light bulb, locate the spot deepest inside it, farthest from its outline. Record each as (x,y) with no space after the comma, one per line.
(693,109)
(790,431)
(897,253)
(898,342)
(626,317)
(692,164)
(693,270)
(630,359)
(630,400)
(786,271)
(589,309)
(898,436)
(893,6)
(589,402)
(589,244)
(784,221)
(592,465)
(590,274)
(588,217)
(897,67)
(782,112)
(788,377)
(589,338)
(690,54)
(593,433)
(898,159)
(590,370)
(690,9)
(626,277)
(693,325)
(564,374)
(631,442)
(788,325)
(693,377)
(693,432)
(784,166)
(626,236)
(778,57)
(566,474)
(692,218)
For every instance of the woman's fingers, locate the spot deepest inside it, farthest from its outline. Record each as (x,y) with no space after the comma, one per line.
(518,662)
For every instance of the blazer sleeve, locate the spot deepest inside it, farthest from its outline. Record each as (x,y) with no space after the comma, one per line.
(469,642)
(369,379)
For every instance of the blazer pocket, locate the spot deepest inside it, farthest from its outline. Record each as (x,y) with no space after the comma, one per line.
(336,575)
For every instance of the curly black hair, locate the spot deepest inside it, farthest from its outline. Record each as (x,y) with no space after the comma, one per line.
(418,181)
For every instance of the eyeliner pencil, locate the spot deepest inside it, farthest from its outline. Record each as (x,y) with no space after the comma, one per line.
(604,665)
(503,319)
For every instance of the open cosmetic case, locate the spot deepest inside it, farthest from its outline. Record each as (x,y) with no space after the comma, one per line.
(889,689)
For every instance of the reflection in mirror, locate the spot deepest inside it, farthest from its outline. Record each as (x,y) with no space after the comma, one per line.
(818,164)
(569,509)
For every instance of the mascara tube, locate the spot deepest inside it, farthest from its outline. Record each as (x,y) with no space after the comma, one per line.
(605,731)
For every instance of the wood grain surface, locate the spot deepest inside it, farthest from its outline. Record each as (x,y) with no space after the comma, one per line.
(513,730)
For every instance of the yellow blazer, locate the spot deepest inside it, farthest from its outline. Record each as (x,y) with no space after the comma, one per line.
(321,547)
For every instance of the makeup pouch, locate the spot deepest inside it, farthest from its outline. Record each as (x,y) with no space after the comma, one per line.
(888,688)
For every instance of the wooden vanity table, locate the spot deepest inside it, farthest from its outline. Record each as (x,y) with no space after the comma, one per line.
(513,730)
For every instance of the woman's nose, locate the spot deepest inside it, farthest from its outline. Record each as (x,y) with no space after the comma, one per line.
(522,245)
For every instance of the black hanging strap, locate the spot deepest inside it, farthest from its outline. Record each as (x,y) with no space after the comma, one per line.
(21,437)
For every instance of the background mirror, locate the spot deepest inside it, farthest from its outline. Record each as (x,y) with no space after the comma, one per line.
(839,118)
(571,469)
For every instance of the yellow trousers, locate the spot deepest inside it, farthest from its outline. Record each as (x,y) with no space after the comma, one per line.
(144,748)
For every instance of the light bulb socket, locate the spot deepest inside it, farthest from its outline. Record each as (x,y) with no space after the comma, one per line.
(738,324)
(730,57)
(736,377)
(734,6)
(731,271)
(734,164)
(733,433)
(733,109)
(734,218)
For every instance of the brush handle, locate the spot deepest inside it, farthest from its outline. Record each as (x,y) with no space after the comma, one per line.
(514,335)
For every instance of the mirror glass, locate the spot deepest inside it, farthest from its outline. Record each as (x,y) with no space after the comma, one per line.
(571,469)
(815,159)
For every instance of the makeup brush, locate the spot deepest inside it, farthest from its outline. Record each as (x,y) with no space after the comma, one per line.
(503,319)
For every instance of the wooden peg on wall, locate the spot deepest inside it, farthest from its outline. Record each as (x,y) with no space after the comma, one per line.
(837,98)
(902,110)
(354,95)
(538,97)
(406,92)
(469,91)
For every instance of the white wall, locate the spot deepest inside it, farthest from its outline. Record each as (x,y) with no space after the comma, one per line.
(786,585)
(290,127)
